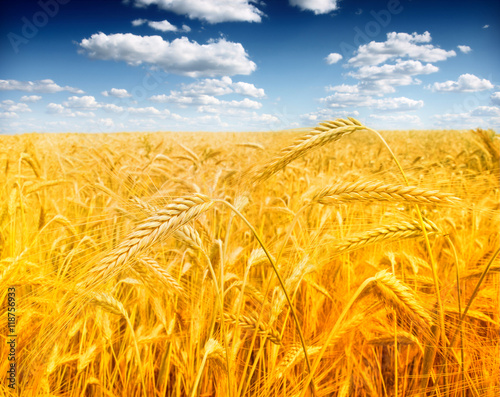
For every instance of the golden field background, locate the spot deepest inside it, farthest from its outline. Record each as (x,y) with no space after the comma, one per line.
(140,265)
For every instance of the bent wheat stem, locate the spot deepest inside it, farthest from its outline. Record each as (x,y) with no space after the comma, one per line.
(429,251)
(282,284)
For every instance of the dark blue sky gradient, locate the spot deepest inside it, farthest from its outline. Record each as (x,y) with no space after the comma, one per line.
(289,48)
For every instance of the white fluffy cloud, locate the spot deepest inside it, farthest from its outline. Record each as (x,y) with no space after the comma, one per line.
(45,86)
(346,99)
(222,106)
(8,115)
(11,106)
(10,109)
(112,108)
(399,118)
(139,22)
(213,87)
(204,93)
(317,6)
(382,79)
(245,104)
(117,92)
(30,98)
(396,104)
(333,58)
(398,71)
(180,56)
(346,88)
(264,118)
(107,122)
(163,26)
(223,86)
(328,114)
(399,45)
(83,102)
(481,116)
(149,111)
(248,89)
(465,83)
(495,98)
(488,111)
(464,48)
(74,105)
(205,102)
(181,99)
(56,108)
(460,120)
(212,11)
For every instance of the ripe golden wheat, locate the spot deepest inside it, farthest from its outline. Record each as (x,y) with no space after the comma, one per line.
(183,264)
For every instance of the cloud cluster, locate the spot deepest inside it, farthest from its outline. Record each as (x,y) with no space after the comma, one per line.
(203,92)
(85,106)
(379,68)
(316,6)
(221,105)
(401,119)
(117,92)
(464,48)
(41,86)
(10,109)
(30,98)
(204,97)
(58,109)
(328,114)
(347,99)
(163,26)
(83,102)
(399,45)
(211,11)
(333,58)
(495,98)
(382,79)
(465,83)
(180,56)
(480,116)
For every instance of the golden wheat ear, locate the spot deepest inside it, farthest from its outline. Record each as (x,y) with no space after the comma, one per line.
(158,227)
(394,293)
(398,231)
(345,192)
(325,132)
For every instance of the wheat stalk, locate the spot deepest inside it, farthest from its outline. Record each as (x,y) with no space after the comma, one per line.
(379,191)
(293,356)
(396,294)
(156,228)
(328,131)
(399,231)
(402,337)
(152,273)
(214,351)
(252,145)
(108,303)
(43,185)
(186,233)
(114,306)
(32,163)
(478,272)
(250,323)
(295,353)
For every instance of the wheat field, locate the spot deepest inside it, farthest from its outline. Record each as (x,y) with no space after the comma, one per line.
(332,261)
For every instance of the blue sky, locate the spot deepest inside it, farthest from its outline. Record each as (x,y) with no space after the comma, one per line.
(247,65)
